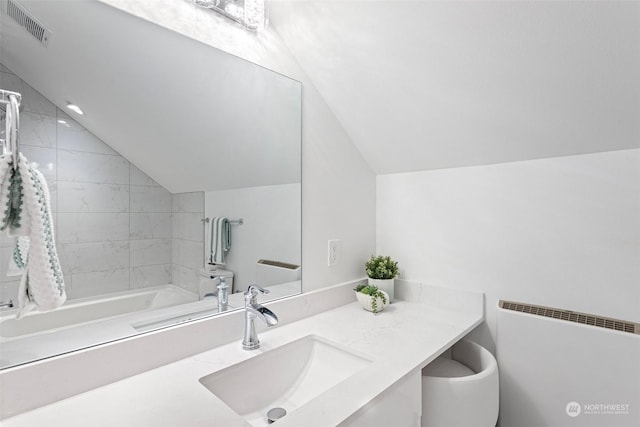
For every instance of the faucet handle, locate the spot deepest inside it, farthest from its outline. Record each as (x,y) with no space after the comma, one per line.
(255,289)
(251,296)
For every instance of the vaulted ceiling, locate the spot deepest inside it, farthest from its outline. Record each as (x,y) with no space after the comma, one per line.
(435,84)
(420,85)
(190,116)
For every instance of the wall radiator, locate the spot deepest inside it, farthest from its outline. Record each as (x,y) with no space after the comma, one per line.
(563,368)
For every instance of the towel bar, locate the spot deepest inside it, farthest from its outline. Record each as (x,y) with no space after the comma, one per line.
(231,221)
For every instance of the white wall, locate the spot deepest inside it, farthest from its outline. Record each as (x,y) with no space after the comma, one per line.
(338,198)
(271,228)
(561,232)
(187,237)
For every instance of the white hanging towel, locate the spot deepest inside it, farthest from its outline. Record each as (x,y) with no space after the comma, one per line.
(220,240)
(26,208)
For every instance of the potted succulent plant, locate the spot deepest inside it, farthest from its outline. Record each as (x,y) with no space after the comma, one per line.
(382,271)
(371,298)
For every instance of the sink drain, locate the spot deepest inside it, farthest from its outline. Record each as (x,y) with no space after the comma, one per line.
(275,414)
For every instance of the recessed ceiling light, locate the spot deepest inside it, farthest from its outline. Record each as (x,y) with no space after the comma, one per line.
(74,108)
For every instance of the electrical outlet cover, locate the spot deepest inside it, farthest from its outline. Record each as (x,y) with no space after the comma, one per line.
(333,252)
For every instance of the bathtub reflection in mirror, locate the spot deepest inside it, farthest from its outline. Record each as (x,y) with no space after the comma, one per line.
(174,131)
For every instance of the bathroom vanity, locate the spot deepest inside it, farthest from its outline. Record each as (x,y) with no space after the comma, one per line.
(344,366)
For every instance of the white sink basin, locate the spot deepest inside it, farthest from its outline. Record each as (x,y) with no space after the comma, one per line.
(286,377)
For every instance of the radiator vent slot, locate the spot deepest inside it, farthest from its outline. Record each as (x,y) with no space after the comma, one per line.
(28,22)
(572,316)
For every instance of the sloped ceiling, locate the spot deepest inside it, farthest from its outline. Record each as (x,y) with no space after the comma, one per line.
(191,116)
(424,85)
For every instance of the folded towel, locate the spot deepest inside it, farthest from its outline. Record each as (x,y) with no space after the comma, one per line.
(27,213)
(220,240)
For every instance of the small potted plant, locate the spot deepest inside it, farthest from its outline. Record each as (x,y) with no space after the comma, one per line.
(371,298)
(382,271)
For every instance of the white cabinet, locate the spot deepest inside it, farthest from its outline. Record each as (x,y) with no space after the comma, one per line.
(399,406)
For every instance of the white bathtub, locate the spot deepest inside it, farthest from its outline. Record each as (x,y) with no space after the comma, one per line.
(83,310)
(87,322)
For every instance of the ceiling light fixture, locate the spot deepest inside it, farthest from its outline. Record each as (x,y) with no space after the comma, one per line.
(75,108)
(252,14)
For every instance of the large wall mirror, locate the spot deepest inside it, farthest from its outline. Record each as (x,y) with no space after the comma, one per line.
(176,136)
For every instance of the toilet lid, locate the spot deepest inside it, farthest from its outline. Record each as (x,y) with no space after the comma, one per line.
(225,273)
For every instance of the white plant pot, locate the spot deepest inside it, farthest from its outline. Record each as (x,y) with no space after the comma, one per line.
(365,301)
(387,285)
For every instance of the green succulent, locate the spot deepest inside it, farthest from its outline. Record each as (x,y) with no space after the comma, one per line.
(374,293)
(381,267)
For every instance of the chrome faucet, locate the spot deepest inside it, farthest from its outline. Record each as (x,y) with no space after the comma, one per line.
(223,295)
(252,310)
(8,303)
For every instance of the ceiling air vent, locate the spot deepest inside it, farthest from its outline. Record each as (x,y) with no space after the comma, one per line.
(28,22)
(572,316)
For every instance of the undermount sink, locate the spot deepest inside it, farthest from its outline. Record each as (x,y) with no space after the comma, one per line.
(285,377)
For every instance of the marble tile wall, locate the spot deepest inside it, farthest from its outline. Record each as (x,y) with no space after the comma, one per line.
(113,223)
(187,239)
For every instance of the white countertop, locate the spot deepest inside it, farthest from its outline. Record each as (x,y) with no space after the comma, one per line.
(403,338)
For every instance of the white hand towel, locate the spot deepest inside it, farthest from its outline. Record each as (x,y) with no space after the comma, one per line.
(220,240)
(28,213)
